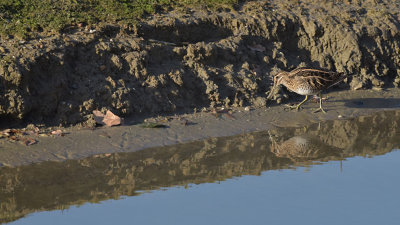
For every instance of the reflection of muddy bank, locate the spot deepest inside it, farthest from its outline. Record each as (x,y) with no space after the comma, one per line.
(54,185)
(181,61)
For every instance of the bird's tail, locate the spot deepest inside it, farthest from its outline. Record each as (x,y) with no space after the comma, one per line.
(338,77)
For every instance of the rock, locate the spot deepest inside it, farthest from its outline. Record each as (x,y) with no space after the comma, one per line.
(356,84)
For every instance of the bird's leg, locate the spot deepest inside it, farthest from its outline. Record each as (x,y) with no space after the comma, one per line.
(320,104)
(301,103)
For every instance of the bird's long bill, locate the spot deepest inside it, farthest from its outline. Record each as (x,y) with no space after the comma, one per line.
(271,93)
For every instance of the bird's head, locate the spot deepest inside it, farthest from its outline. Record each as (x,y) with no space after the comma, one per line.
(278,79)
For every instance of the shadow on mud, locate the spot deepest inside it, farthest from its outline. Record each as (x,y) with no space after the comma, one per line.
(373,103)
(58,185)
(179,33)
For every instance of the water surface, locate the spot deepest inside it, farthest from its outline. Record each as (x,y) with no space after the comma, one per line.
(337,172)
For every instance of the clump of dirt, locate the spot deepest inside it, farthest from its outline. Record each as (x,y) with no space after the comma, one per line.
(178,62)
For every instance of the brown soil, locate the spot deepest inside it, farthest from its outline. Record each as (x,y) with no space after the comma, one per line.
(184,61)
(83,142)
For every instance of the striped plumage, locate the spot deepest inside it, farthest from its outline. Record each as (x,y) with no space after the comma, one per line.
(307,81)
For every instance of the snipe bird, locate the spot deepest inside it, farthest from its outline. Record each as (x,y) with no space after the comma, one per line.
(307,81)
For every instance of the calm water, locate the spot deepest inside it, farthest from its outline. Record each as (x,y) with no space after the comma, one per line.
(338,172)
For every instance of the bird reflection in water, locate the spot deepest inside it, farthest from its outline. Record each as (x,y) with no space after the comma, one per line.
(304,148)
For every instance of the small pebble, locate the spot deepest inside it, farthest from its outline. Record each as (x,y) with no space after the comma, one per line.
(247,108)
(377,88)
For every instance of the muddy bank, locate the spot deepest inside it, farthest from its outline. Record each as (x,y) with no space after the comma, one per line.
(58,185)
(79,143)
(184,61)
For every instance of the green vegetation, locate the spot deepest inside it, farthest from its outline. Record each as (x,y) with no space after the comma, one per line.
(23,18)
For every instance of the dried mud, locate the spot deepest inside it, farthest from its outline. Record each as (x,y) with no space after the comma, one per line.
(184,61)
